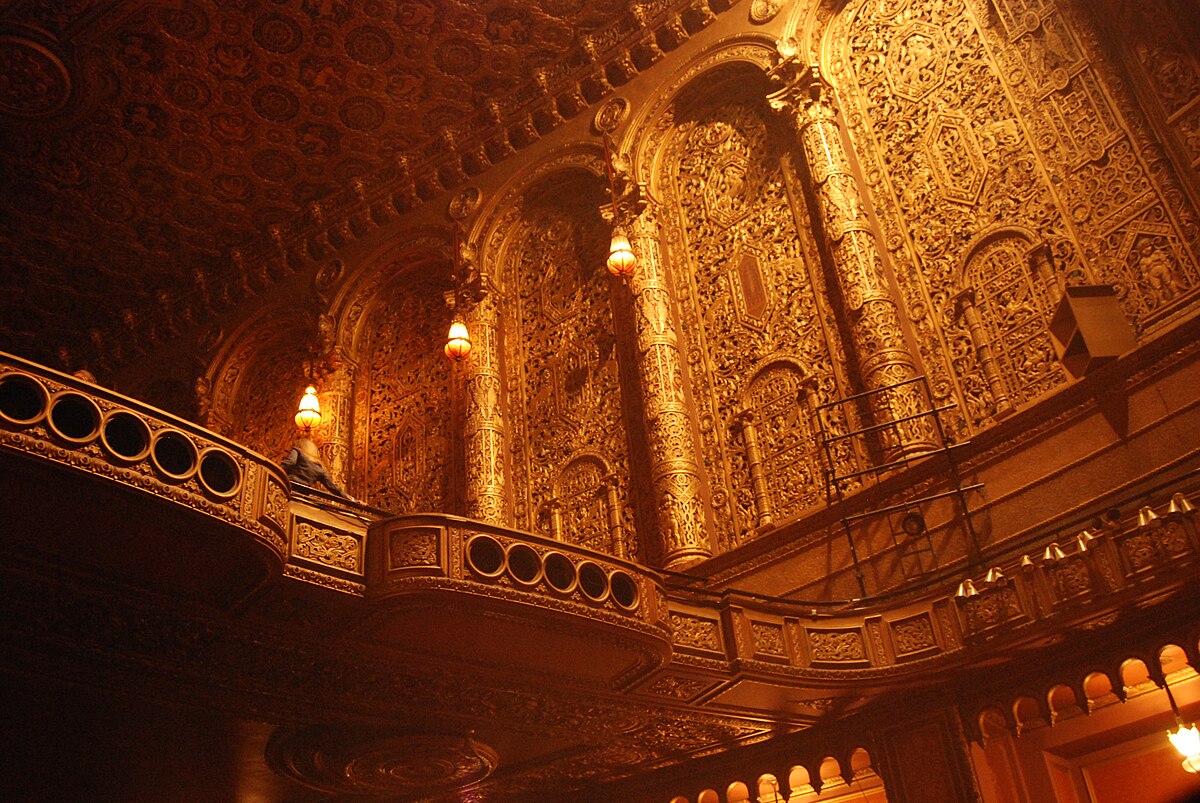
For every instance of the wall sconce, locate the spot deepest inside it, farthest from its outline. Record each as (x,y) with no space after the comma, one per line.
(458,341)
(1147,517)
(309,413)
(621,260)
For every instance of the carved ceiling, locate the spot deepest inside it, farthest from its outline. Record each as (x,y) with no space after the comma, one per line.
(165,161)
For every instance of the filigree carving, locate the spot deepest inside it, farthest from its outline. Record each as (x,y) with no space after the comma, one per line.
(691,631)
(768,639)
(913,634)
(414,546)
(837,645)
(679,688)
(332,548)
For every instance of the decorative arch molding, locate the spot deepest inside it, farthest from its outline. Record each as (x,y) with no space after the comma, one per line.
(412,250)
(271,330)
(805,33)
(643,135)
(500,216)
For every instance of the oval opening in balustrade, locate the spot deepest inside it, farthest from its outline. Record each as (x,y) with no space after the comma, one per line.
(624,589)
(560,572)
(74,418)
(593,582)
(219,473)
(23,400)
(524,565)
(485,556)
(174,454)
(125,436)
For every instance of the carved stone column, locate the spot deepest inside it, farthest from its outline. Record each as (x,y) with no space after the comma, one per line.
(964,305)
(1042,264)
(744,425)
(337,405)
(674,470)
(877,335)
(486,491)
(612,507)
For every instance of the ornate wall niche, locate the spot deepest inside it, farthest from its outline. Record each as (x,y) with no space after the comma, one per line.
(1003,117)
(747,281)
(404,435)
(582,509)
(259,377)
(560,357)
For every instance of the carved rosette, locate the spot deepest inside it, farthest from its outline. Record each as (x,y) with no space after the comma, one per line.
(484,435)
(675,472)
(873,315)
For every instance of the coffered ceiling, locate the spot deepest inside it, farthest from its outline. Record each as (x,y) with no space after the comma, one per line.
(163,161)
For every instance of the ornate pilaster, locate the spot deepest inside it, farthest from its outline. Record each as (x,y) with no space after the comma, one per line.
(612,506)
(487,495)
(964,305)
(745,426)
(1041,262)
(877,335)
(337,405)
(674,470)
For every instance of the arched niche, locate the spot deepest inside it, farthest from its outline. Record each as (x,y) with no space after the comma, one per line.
(737,792)
(258,377)
(392,324)
(744,265)
(544,244)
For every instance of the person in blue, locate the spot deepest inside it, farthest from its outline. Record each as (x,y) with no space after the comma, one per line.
(304,467)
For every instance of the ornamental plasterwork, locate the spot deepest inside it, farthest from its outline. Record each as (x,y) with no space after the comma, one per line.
(743,277)
(561,364)
(837,645)
(1018,128)
(407,402)
(339,550)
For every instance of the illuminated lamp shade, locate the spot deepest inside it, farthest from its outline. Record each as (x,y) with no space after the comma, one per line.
(458,342)
(1187,742)
(309,414)
(621,260)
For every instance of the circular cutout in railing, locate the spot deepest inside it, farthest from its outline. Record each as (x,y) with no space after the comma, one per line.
(485,556)
(125,436)
(560,572)
(624,589)
(74,417)
(174,454)
(23,400)
(593,582)
(524,564)
(219,473)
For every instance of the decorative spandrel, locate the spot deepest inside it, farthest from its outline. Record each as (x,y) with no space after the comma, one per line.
(562,367)
(742,274)
(408,420)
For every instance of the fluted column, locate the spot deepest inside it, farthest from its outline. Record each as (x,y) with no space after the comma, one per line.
(486,491)
(877,335)
(337,405)
(964,305)
(674,471)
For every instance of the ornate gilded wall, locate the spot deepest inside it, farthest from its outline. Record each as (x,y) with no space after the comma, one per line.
(570,469)
(403,402)
(1004,156)
(760,343)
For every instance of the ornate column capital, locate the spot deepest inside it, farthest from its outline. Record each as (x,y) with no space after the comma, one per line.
(800,90)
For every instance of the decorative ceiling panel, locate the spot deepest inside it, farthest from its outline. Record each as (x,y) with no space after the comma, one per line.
(157,155)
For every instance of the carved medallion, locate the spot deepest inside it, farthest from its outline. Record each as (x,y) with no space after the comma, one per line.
(916,63)
(955,157)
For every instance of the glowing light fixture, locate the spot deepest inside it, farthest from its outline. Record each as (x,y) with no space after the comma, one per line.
(621,259)
(309,413)
(1187,742)
(458,341)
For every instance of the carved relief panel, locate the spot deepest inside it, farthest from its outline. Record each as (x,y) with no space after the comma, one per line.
(561,365)
(406,397)
(742,271)
(972,114)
